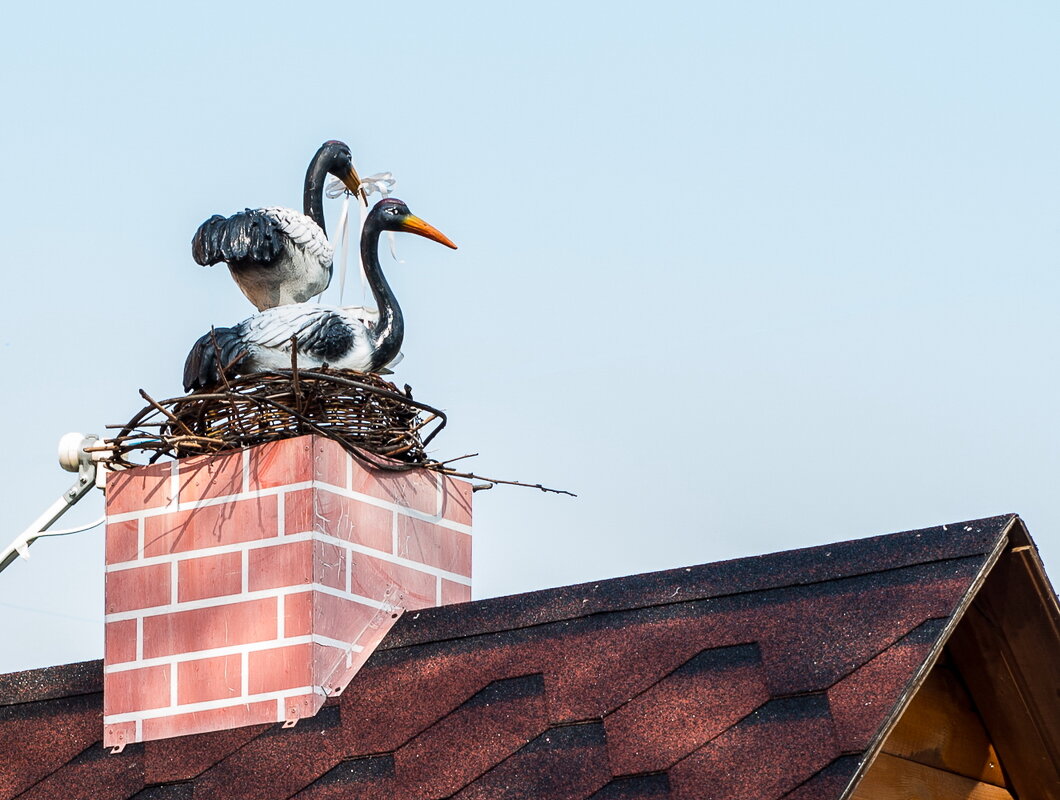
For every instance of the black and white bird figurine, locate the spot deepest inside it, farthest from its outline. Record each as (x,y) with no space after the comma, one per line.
(276,255)
(341,337)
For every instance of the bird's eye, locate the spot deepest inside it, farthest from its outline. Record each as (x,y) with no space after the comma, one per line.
(392,210)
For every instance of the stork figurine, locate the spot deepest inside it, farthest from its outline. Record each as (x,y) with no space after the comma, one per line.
(342,337)
(277,255)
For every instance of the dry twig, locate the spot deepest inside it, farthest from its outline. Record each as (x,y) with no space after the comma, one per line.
(368,416)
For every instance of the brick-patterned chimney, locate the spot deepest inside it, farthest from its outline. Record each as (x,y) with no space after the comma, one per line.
(246,587)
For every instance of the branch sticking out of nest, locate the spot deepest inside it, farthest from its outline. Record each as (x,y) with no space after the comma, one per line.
(371,418)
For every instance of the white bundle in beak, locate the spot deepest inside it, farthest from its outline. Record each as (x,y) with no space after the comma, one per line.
(380,183)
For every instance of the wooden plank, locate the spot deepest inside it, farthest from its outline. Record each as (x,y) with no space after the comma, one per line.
(1007,649)
(894,778)
(942,729)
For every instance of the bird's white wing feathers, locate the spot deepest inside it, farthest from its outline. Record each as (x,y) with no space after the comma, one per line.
(303,233)
(326,335)
(274,327)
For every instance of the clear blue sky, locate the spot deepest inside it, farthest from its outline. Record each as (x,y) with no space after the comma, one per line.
(745,276)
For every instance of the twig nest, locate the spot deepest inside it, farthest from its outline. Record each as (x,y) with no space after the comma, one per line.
(362,411)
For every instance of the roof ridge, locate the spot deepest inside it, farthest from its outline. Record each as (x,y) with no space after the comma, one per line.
(445,623)
(644,590)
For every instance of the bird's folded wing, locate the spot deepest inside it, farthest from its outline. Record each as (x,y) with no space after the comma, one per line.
(274,327)
(302,232)
(323,333)
(251,237)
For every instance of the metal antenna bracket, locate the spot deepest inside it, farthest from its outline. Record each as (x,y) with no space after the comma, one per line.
(72,458)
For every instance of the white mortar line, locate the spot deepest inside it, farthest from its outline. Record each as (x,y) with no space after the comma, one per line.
(244,570)
(419,566)
(347,555)
(367,499)
(195,605)
(174,487)
(261,594)
(191,505)
(327,641)
(230,650)
(437,591)
(218,550)
(140,525)
(281,514)
(173,684)
(211,705)
(256,494)
(139,638)
(382,555)
(356,598)
(245,470)
(173,584)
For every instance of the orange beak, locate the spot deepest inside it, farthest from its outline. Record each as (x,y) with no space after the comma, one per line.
(353,183)
(413,224)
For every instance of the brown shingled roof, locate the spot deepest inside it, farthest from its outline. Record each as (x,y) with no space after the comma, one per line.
(776,676)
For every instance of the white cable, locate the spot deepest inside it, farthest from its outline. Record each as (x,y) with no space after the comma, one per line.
(68,531)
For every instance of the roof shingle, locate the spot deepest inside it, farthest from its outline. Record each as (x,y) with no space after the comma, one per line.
(758,678)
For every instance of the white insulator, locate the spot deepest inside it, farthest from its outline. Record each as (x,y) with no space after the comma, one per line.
(72,453)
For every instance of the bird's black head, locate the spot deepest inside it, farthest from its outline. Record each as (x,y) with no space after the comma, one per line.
(391,214)
(335,157)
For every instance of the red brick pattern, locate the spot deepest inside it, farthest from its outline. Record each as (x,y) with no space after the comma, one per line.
(245,587)
(371,577)
(122,541)
(138,587)
(210,476)
(210,526)
(285,564)
(216,719)
(209,576)
(357,523)
(427,543)
(415,490)
(455,592)
(119,641)
(137,689)
(135,490)
(206,679)
(298,614)
(181,632)
(456,501)
(283,463)
(281,668)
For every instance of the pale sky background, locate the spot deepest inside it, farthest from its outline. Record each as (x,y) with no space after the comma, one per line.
(745,276)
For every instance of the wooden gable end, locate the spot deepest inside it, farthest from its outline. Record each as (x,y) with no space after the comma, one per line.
(940,748)
(984,724)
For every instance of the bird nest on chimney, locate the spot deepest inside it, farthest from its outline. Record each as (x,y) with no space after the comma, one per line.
(367,415)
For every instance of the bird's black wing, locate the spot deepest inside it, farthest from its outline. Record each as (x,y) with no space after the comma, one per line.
(204,363)
(329,338)
(252,237)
